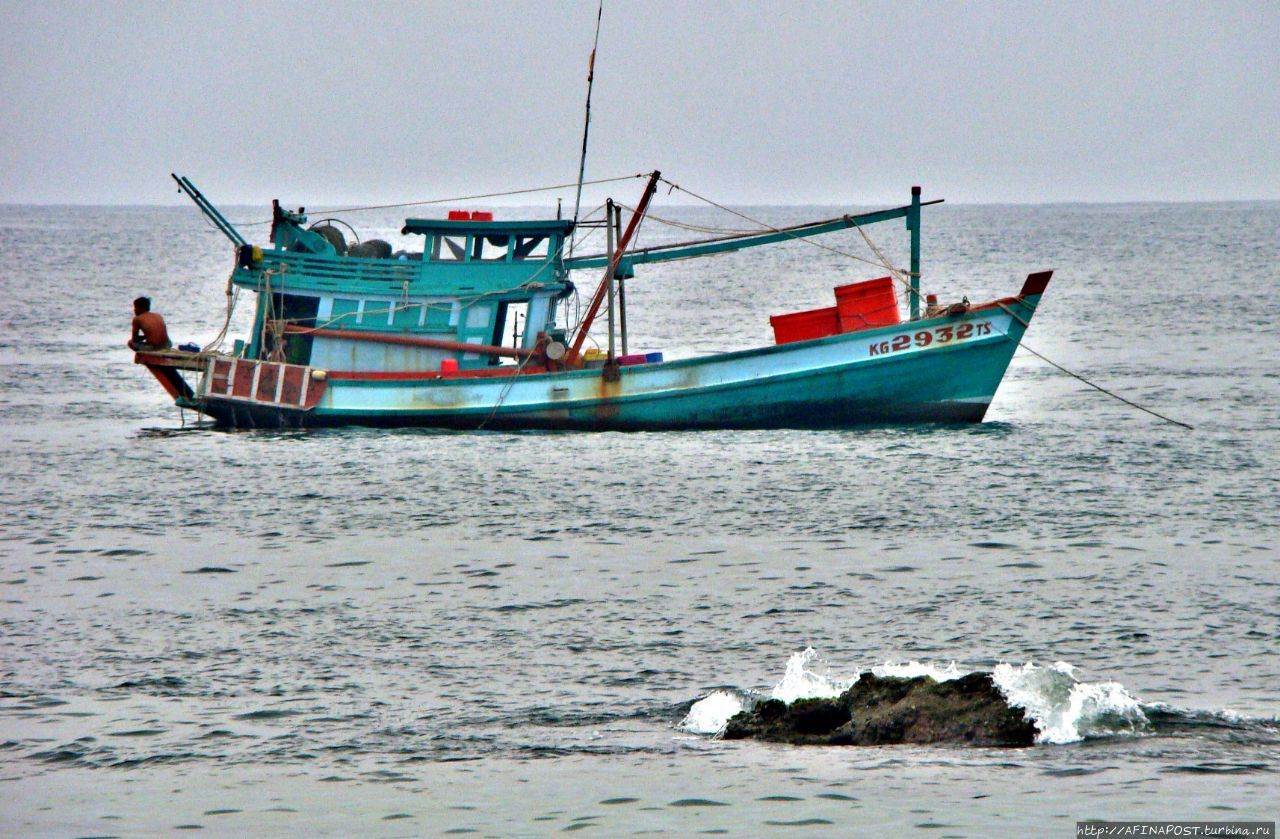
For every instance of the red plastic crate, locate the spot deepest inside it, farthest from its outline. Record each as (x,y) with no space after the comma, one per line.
(634,358)
(459,215)
(867,304)
(805,326)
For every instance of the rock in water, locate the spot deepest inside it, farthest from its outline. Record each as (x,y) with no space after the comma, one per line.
(878,711)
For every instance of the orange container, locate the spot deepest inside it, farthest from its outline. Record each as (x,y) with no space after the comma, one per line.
(867,304)
(805,326)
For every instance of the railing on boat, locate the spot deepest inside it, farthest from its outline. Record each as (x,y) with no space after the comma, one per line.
(328,272)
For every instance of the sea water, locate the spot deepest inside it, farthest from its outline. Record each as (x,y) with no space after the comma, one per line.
(402,633)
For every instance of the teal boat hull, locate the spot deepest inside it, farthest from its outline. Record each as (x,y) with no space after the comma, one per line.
(922,371)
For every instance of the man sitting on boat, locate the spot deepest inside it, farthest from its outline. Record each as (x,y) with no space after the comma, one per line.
(149,332)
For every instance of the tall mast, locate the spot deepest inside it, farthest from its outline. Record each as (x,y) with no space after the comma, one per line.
(575,352)
(608,278)
(913,224)
(586,122)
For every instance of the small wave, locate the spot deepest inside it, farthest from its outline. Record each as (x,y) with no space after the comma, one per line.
(1066,710)
(267,714)
(161,684)
(1221,768)
(808,676)
(1168,719)
(550,604)
(710,714)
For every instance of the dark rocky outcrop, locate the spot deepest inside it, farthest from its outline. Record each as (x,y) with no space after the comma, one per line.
(879,711)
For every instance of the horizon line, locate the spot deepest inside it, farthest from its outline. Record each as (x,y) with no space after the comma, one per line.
(408,205)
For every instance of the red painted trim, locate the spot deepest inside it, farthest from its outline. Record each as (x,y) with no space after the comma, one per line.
(1036,283)
(164,377)
(994,304)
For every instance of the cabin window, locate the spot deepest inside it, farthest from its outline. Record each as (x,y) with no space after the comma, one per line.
(344,312)
(532,247)
(378,312)
(492,248)
(478,316)
(408,317)
(449,248)
(438,317)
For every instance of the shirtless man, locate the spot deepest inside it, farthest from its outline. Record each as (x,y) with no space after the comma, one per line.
(149,332)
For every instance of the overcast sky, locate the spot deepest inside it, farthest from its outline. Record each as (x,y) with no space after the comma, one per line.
(747,102)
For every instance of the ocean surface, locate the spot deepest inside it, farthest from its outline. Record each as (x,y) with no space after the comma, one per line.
(421,633)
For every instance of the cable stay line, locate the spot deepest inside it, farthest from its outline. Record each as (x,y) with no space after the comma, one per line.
(458,198)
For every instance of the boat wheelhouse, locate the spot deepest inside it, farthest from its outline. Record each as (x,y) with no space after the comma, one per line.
(451,304)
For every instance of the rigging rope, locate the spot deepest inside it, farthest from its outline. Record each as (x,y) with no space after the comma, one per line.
(233,297)
(463,197)
(575,240)
(505,390)
(696,228)
(1075,375)
(897,273)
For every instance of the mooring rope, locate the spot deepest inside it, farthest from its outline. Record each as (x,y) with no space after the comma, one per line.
(1076,375)
(506,389)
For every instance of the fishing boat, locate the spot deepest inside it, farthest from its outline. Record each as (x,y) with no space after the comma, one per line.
(426,337)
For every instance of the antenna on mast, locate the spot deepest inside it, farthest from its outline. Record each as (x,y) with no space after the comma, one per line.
(586,123)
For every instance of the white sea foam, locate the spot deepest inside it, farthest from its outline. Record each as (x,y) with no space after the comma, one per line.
(808,676)
(1065,709)
(710,714)
(912,669)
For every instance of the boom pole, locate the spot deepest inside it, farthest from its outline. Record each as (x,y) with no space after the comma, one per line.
(210,211)
(738,241)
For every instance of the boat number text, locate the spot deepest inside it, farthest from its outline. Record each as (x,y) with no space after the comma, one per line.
(928,337)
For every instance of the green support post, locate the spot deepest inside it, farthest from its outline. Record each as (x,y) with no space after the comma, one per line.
(913,224)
